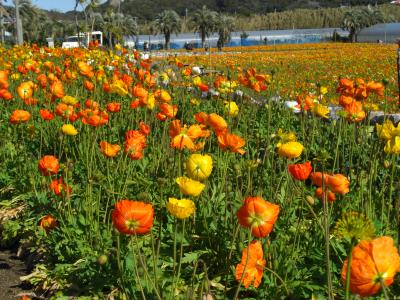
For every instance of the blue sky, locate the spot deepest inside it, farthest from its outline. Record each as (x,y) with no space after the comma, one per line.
(60,5)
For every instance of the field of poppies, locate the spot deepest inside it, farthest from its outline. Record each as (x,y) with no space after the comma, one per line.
(266,173)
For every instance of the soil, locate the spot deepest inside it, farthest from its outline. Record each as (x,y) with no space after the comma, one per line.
(11,268)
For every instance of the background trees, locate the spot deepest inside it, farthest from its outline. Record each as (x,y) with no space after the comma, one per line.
(357,19)
(224,25)
(203,21)
(167,22)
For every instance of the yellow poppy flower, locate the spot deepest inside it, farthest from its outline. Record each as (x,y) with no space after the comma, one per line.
(291,149)
(69,129)
(69,100)
(231,108)
(118,87)
(387,130)
(323,90)
(180,208)
(320,110)
(189,186)
(151,101)
(199,167)
(393,145)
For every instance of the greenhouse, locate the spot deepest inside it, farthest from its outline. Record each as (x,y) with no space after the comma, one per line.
(249,38)
(385,32)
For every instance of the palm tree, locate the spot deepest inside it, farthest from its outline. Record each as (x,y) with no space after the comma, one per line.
(203,22)
(357,19)
(224,25)
(116,25)
(167,22)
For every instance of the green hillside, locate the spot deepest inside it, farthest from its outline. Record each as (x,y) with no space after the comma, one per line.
(147,10)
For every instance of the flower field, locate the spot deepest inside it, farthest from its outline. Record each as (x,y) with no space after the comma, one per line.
(250,174)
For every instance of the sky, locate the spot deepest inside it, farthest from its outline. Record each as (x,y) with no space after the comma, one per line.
(60,5)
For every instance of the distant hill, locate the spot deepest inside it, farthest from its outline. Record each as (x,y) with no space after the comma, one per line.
(148,9)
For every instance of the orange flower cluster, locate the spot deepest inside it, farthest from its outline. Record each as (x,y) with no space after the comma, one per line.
(251,79)
(329,185)
(352,93)
(226,140)
(135,142)
(185,137)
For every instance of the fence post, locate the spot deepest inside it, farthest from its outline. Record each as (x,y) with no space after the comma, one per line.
(398,71)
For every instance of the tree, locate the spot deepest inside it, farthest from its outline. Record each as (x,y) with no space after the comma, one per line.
(203,22)
(357,19)
(167,22)
(224,25)
(115,25)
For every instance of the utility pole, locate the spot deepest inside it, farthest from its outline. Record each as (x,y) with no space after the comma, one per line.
(2,21)
(20,39)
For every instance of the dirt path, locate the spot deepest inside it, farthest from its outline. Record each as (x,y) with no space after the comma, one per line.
(11,268)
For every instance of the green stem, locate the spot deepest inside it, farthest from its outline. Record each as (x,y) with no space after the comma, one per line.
(245,266)
(350,257)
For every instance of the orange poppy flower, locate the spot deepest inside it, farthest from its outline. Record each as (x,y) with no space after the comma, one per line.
(163,95)
(94,117)
(25,89)
(258,215)
(231,142)
(48,65)
(92,104)
(203,87)
(345,86)
(88,85)
(376,87)
(5,94)
(331,197)
(306,102)
(133,217)
(144,129)
(48,165)
(372,261)
(168,111)
(355,112)
(135,142)
(300,171)
(42,80)
(345,100)
(316,178)
(57,89)
(250,269)
(216,122)
(339,184)
(19,116)
(113,107)
(183,137)
(48,223)
(85,69)
(4,79)
(46,114)
(135,104)
(64,110)
(59,187)
(139,92)
(108,149)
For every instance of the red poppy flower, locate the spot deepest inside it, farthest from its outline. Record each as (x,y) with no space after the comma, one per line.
(46,114)
(300,171)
